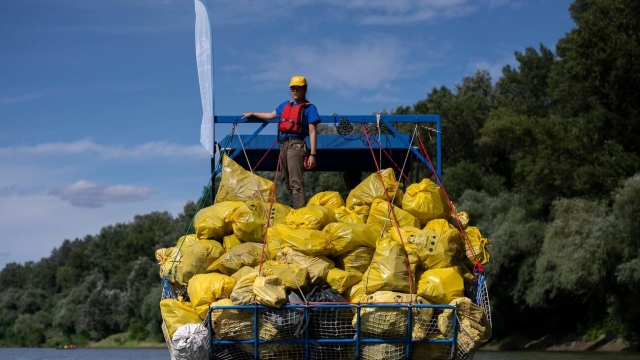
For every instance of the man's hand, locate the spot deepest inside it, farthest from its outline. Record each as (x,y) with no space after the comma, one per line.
(312,162)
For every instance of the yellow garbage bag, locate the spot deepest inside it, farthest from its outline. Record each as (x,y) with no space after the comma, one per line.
(245,270)
(196,258)
(383,351)
(330,199)
(341,280)
(210,222)
(353,215)
(439,224)
(462,217)
(380,214)
(355,294)
(176,313)
(308,242)
(230,241)
(441,286)
(392,322)
(317,267)
(426,201)
(242,293)
(389,268)
(249,221)
(310,217)
(247,254)
(348,237)
(185,241)
(204,289)
(473,329)
(436,249)
(371,188)
(232,324)
(479,245)
(431,350)
(270,291)
(238,184)
(292,275)
(358,259)
(169,258)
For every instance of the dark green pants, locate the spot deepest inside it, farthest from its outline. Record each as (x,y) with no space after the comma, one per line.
(292,153)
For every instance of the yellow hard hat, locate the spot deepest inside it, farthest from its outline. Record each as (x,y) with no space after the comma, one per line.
(298,80)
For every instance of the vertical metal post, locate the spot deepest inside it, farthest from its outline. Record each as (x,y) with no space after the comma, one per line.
(409,334)
(439,147)
(256,333)
(358,331)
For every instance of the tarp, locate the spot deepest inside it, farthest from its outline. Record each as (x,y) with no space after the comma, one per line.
(334,153)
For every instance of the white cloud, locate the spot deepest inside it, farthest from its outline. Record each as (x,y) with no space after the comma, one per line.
(381,98)
(150,150)
(494,68)
(32,225)
(372,63)
(12,99)
(88,194)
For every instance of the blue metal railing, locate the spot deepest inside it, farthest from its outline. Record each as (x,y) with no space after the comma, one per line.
(357,340)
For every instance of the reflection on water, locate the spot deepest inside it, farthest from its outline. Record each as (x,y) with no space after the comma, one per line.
(163,354)
(542,355)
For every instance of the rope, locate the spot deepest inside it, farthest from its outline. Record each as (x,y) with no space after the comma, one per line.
(392,161)
(394,216)
(384,226)
(265,155)
(273,196)
(477,265)
(205,195)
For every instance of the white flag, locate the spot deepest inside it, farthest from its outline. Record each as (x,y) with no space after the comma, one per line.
(205,63)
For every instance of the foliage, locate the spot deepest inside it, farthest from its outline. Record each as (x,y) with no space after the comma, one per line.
(546,162)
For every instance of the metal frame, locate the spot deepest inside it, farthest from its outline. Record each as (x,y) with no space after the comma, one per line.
(256,342)
(387,120)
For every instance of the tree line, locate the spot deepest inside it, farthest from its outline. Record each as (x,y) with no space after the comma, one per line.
(545,160)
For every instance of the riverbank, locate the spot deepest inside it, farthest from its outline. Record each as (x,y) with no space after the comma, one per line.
(122,340)
(603,343)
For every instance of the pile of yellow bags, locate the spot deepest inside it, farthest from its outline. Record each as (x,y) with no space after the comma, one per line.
(247,249)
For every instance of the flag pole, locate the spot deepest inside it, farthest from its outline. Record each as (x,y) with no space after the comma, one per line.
(213,110)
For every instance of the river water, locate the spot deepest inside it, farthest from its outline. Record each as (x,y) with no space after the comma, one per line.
(163,354)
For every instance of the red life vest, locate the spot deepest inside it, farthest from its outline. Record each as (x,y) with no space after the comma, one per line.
(291,118)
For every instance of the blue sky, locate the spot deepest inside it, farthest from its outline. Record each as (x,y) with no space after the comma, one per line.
(100,106)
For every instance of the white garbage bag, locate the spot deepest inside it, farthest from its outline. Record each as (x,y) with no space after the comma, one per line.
(190,342)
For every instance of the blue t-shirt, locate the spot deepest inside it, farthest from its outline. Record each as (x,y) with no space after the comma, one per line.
(309,116)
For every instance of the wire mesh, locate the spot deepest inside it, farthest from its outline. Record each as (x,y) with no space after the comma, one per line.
(306,332)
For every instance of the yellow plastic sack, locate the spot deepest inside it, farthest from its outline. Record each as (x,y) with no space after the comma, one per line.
(355,294)
(431,350)
(354,215)
(186,240)
(371,188)
(348,237)
(292,275)
(462,217)
(310,217)
(204,289)
(392,322)
(380,215)
(389,268)
(473,328)
(308,242)
(439,224)
(358,259)
(210,222)
(176,314)
(196,258)
(270,291)
(341,280)
(479,245)
(247,254)
(317,267)
(441,286)
(242,293)
(245,270)
(426,201)
(166,261)
(435,249)
(249,221)
(238,184)
(232,324)
(330,199)
(383,351)
(230,241)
